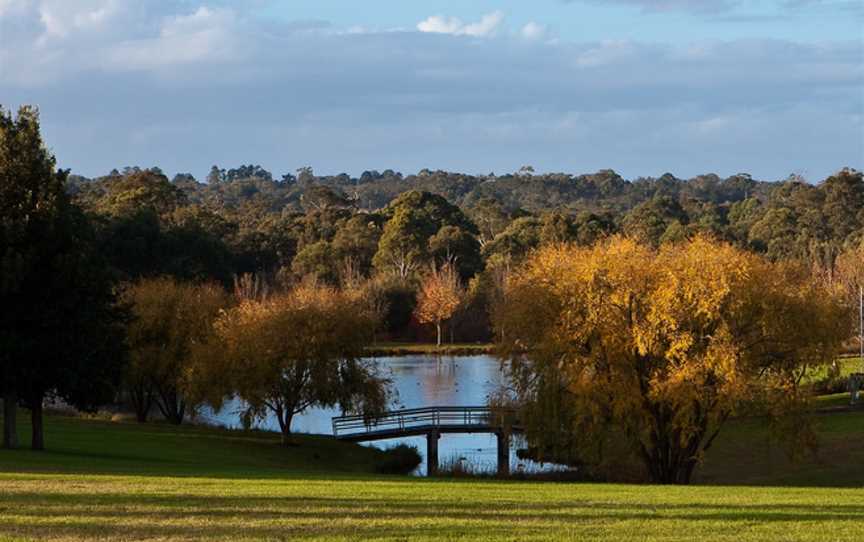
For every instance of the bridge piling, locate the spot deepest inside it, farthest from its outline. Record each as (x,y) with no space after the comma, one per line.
(503,453)
(432,452)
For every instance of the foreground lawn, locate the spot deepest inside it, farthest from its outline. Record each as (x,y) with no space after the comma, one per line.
(64,507)
(116,481)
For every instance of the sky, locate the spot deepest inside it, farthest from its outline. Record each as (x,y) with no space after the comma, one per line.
(644,87)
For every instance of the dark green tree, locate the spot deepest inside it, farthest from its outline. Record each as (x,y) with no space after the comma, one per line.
(60,328)
(413,219)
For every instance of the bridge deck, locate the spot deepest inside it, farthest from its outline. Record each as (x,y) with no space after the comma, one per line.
(423,421)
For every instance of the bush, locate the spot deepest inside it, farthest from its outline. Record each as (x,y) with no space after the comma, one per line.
(400,459)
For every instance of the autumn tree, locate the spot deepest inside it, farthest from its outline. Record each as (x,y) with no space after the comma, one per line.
(169,319)
(439,297)
(660,346)
(295,350)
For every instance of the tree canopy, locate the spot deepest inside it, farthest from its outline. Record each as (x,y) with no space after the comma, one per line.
(61,329)
(660,346)
(294,350)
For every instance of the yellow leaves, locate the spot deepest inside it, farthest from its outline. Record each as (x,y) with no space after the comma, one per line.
(690,328)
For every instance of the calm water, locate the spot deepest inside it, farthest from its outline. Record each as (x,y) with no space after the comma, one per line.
(422,381)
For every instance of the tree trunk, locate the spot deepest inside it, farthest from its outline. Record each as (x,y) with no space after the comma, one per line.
(141,397)
(173,407)
(38,440)
(438,327)
(285,425)
(10,420)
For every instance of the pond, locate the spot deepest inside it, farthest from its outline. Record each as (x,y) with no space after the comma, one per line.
(422,381)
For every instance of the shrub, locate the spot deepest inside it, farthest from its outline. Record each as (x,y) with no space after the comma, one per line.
(400,459)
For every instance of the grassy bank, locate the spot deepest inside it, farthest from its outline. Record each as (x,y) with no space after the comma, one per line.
(421,349)
(117,481)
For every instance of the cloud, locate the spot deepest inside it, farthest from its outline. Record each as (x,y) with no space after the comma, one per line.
(487,25)
(534,31)
(205,35)
(184,86)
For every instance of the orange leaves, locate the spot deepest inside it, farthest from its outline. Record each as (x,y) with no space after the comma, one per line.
(440,295)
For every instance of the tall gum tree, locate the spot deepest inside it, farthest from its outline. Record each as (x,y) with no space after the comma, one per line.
(660,346)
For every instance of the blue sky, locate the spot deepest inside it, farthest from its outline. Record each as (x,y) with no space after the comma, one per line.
(644,20)
(768,87)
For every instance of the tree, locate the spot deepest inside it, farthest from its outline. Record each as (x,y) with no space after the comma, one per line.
(170,318)
(317,260)
(293,351)
(60,327)
(660,346)
(650,220)
(357,240)
(413,219)
(140,191)
(849,270)
(457,247)
(491,219)
(517,240)
(844,203)
(439,297)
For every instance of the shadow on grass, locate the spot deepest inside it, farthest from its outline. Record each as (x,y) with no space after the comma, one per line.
(213,516)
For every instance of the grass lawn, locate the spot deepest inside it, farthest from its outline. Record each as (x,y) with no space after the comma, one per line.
(117,481)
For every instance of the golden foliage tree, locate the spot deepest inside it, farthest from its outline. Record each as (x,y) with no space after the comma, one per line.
(660,346)
(439,297)
(292,351)
(169,319)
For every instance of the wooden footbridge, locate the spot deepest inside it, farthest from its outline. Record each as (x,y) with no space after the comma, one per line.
(433,422)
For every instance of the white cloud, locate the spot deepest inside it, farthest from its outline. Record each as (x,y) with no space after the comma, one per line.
(205,35)
(534,31)
(173,84)
(488,25)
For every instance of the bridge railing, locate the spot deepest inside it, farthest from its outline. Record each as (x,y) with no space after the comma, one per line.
(406,419)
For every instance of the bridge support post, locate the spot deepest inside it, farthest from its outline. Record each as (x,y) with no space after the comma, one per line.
(503,453)
(432,453)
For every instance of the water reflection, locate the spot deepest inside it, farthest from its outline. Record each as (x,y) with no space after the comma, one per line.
(422,381)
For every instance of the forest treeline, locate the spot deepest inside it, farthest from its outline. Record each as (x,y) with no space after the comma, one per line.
(339,228)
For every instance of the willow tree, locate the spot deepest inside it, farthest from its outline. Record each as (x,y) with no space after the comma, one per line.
(660,346)
(292,351)
(169,319)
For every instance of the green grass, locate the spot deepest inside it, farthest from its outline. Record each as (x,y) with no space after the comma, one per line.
(118,481)
(410,349)
(747,453)
(848,365)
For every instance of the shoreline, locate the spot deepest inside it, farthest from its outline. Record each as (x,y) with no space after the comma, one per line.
(415,349)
